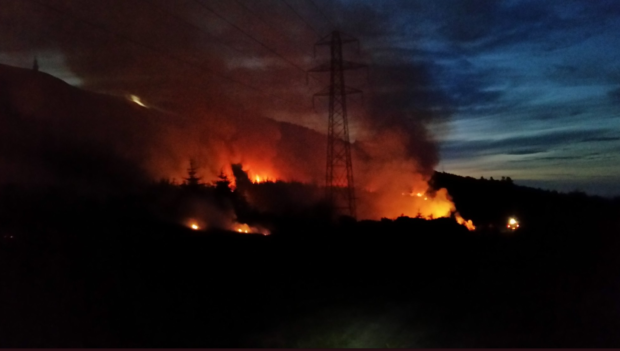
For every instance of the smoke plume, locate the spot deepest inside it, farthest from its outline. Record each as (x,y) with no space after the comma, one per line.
(212,95)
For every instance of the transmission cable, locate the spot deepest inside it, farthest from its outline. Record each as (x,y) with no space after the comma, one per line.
(318,35)
(143,45)
(269,25)
(327,18)
(181,19)
(249,35)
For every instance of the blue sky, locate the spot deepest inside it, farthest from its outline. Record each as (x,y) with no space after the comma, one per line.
(534,86)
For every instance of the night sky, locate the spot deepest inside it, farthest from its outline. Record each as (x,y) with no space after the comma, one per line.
(526,89)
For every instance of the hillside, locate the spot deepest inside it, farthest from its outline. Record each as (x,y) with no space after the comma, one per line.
(123,269)
(492,202)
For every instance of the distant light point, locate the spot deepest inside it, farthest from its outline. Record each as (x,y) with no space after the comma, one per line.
(135,99)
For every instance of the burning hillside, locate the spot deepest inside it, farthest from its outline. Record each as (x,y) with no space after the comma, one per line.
(135,141)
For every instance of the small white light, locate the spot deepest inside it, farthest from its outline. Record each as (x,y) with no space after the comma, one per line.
(137,100)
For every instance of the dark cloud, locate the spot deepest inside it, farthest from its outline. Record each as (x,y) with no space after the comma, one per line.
(526,151)
(487,24)
(521,145)
(601,138)
(546,159)
(614,95)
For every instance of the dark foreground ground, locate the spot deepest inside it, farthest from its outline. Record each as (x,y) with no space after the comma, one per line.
(404,283)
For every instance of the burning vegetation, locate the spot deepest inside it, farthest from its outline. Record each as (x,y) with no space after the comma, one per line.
(222,205)
(284,163)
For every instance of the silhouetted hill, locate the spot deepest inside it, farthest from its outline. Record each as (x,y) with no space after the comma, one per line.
(54,133)
(123,270)
(492,202)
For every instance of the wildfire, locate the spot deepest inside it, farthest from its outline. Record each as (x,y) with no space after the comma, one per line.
(243,228)
(259,173)
(430,205)
(462,221)
(417,195)
(246,229)
(194,224)
(257,179)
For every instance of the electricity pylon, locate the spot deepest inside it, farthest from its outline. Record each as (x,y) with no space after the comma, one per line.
(339,185)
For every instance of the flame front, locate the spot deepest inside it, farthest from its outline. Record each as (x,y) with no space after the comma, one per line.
(419,203)
(246,229)
(462,221)
(260,176)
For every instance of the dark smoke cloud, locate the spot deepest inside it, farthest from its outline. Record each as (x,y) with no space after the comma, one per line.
(199,115)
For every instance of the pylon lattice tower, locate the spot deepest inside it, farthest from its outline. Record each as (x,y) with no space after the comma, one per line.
(339,184)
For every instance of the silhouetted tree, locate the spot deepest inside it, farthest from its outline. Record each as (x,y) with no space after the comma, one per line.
(222,185)
(192,180)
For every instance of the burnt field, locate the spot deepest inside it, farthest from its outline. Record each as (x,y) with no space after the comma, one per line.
(73,276)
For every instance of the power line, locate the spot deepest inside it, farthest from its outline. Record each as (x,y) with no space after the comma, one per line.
(162,52)
(302,19)
(273,28)
(327,18)
(250,36)
(143,45)
(181,19)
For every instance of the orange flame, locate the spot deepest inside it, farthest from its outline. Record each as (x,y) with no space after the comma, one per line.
(194,224)
(246,229)
(260,178)
(422,204)
(462,221)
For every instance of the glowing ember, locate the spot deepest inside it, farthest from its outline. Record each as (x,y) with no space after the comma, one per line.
(243,228)
(195,224)
(246,229)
